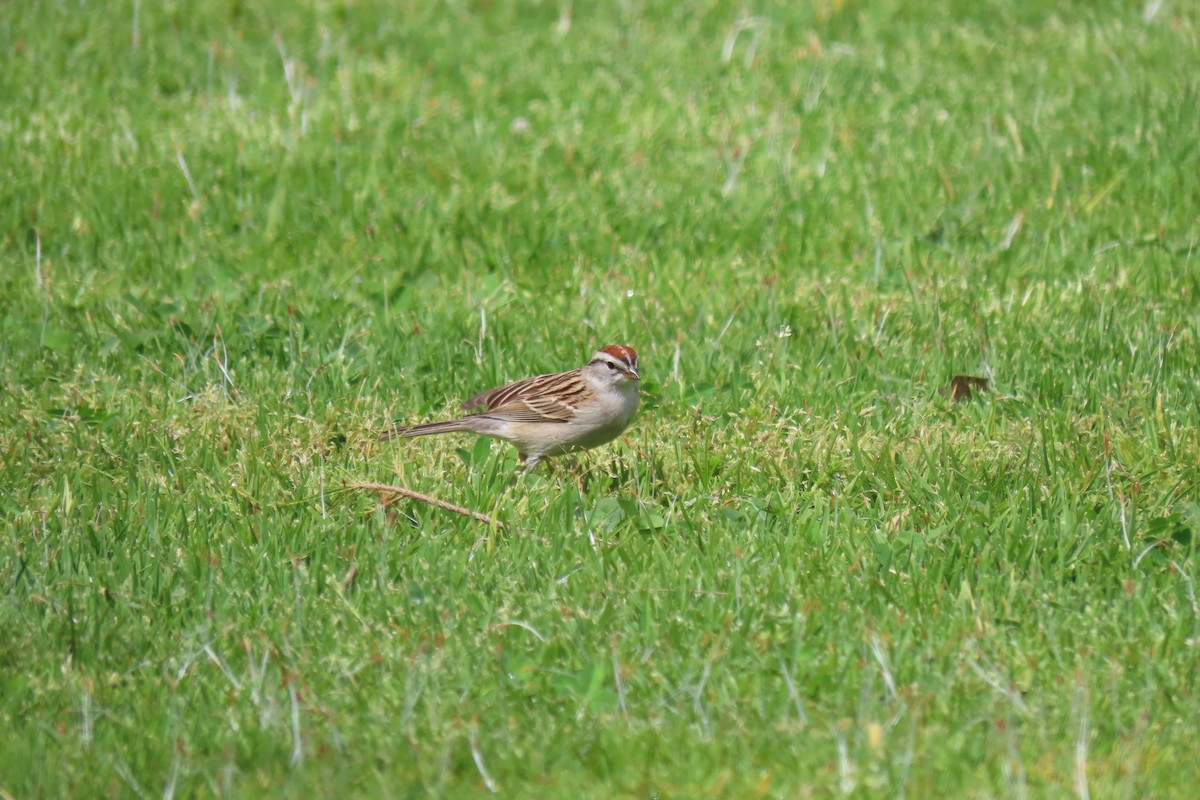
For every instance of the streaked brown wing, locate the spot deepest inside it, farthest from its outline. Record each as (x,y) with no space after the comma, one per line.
(494,398)
(543,398)
(538,408)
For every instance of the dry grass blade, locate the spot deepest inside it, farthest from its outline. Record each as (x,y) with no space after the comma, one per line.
(404,491)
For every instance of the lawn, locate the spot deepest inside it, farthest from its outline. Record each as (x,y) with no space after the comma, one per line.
(238,239)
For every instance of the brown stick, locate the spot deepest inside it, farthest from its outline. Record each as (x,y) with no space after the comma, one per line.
(404,491)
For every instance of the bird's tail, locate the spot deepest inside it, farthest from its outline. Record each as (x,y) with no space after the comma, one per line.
(426,429)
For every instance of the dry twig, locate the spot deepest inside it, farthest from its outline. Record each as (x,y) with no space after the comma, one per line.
(404,491)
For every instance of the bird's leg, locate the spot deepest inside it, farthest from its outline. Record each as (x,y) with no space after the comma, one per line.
(528,462)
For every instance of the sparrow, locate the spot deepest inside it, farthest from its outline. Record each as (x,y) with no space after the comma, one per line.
(548,415)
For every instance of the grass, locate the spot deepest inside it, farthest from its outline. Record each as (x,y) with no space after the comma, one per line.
(238,238)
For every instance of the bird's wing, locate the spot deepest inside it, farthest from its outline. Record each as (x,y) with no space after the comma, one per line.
(544,398)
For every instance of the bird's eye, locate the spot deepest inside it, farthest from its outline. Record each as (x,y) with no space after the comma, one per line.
(610,365)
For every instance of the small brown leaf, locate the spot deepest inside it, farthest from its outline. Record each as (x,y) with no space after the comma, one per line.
(961,386)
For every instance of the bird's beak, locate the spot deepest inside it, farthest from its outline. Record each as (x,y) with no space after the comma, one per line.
(632,374)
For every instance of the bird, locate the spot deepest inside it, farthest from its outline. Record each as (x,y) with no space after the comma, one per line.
(549,415)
